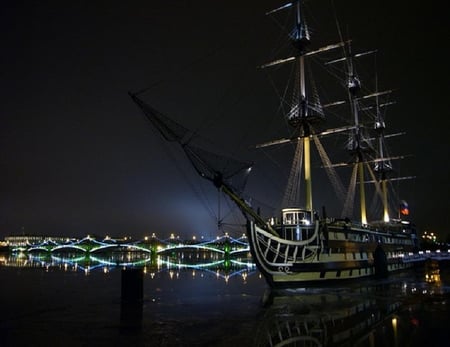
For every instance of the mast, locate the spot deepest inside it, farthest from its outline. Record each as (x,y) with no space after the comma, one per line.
(300,119)
(306,109)
(384,166)
(356,145)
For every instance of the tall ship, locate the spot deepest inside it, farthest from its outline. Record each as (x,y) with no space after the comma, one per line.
(302,243)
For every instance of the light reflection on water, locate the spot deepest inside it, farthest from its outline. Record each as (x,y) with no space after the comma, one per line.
(407,309)
(205,262)
(196,298)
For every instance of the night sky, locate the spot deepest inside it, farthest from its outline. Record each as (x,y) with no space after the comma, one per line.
(77,157)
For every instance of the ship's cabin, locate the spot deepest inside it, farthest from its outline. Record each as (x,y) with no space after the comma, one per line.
(296,216)
(295,224)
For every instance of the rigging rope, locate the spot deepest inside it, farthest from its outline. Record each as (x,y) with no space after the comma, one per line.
(377,196)
(348,206)
(291,195)
(198,194)
(335,180)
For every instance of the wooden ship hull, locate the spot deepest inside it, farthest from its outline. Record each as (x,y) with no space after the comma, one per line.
(329,251)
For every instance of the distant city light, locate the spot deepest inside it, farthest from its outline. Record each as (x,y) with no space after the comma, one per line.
(429,236)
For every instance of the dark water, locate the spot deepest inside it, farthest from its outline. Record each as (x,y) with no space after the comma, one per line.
(54,303)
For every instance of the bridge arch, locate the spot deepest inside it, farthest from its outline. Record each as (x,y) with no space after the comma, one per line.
(120,245)
(38,248)
(187,247)
(68,246)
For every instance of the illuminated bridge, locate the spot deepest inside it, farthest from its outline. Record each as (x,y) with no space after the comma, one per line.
(225,245)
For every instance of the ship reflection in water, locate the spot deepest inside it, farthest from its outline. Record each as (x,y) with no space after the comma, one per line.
(316,318)
(400,311)
(410,309)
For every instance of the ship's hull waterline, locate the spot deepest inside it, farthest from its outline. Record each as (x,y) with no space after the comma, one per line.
(332,253)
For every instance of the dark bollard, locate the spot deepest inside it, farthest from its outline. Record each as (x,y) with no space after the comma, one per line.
(380,263)
(132,285)
(132,299)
